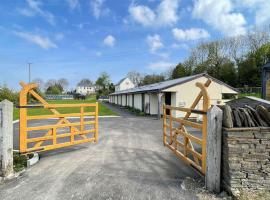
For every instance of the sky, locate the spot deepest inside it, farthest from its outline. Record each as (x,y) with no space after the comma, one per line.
(77,39)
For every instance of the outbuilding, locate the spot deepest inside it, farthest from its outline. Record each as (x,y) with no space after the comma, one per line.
(179,92)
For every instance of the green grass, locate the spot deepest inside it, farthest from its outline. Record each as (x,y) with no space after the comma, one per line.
(249,94)
(41,111)
(19,161)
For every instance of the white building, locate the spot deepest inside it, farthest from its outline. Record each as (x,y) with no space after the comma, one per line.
(179,92)
(86,89)
(124,84)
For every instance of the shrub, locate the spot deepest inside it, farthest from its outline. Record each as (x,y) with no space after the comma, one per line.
(6,93)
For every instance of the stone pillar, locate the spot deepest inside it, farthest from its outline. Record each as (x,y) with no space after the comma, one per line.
(6,138)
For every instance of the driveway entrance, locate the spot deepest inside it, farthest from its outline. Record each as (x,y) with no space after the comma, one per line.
(129,162)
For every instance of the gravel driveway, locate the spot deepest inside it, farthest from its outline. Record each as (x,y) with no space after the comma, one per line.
(129,162)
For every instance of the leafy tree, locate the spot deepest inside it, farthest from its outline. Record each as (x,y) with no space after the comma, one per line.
(85,81)
(54,89)
(179,71)
(6,93)
(228,73)
(150,79)
(104,85)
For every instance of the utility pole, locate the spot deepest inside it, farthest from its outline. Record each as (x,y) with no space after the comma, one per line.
(29,72)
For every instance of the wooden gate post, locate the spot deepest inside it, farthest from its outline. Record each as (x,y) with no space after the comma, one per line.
(213,149)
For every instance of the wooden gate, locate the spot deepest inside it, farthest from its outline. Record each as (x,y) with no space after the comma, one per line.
(52,136)
(177,133)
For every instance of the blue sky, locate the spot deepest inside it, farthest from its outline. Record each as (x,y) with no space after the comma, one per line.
(77,39)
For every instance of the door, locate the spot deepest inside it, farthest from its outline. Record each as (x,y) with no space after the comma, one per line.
(168,101)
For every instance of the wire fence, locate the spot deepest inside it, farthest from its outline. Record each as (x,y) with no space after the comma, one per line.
(250,90)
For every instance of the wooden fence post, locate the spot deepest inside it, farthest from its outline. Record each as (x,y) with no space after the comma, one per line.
(213,149)
(6,138)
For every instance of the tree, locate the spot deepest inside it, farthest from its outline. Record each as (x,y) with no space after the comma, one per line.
(150,79)
(179,71)
(104,85)
(103,80)
(84,82)
(228,73)
(135,77)
(64,83)
(54,89)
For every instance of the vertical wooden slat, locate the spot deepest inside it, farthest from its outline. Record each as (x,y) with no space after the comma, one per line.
(72,137)
(82,119)
(96,123)
(23,122)
(54,136)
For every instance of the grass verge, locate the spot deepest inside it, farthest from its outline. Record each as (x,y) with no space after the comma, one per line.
(41,111)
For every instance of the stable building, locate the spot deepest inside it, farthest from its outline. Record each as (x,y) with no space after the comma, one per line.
(179,92)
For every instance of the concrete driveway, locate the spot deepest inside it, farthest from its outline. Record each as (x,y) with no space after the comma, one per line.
(129,162)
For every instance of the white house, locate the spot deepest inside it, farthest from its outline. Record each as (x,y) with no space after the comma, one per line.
(86,89)
(179,92)
(124,84)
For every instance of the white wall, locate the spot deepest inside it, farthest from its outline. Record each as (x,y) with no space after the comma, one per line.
(124,85)
(123,100)
(138,101)
(130,100)
(86,90)
(153,104)
(187,92)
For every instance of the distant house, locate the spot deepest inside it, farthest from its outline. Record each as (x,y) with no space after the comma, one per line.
(85,89)
(124,84)
(179,92)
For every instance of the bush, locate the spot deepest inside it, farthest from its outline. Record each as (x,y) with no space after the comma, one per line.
(6,93)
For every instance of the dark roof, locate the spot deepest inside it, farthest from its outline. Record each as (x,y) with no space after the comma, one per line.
(248,100)
(156,87)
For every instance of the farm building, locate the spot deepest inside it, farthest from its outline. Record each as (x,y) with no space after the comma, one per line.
(124,84)
(179,92)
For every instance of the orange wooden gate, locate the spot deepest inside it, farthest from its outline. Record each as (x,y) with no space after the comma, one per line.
(52,136)
(176,136)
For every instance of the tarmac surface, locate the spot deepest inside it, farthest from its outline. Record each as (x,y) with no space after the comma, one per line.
(128,162)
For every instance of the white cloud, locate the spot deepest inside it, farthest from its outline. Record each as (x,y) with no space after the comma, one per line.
(259,7)
(35,9)
(220,15)
(98,9)
(154,42)
(190,34)
(73,4)
(109,41)
(164,15)
(43,42)
(161,66)
(142,14)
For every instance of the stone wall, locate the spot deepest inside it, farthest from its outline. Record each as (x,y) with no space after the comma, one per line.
(245,159)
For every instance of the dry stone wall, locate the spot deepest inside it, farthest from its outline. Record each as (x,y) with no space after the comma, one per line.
(246,159)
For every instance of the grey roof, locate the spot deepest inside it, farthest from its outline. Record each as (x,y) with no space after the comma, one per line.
(156,87)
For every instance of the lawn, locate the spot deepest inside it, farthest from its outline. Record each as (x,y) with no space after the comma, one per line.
(41,111)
